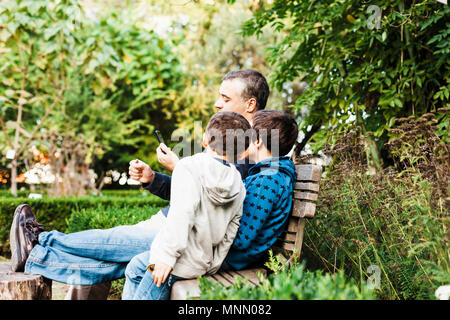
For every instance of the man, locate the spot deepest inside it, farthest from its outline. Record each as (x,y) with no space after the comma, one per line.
(97,256)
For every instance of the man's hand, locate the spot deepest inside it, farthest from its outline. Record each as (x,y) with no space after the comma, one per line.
(160,273)
(168,159)
(140,171)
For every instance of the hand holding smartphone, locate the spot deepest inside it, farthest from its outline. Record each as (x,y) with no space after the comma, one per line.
(160,138)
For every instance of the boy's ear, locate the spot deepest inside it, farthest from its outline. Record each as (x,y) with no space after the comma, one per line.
(259,143)
(251,105)
(204,142)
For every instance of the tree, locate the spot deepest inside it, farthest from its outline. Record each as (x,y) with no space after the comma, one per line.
(93,82)
(365,63)
(37,45)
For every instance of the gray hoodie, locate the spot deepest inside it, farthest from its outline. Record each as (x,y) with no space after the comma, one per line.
(206,201)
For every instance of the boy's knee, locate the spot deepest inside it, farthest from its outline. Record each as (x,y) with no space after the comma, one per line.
(135,269)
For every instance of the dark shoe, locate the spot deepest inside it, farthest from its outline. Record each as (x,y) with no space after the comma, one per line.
(23,236)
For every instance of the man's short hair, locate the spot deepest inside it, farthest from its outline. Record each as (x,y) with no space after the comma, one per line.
(255,86)
(225,134)
(280,129)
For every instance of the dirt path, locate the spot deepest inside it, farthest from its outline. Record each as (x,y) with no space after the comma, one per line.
(59,290)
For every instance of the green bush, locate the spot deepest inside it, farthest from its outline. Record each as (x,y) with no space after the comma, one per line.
(55,212)
(104,217)
(396,219)
(7,194)
(297,283)
(107,192)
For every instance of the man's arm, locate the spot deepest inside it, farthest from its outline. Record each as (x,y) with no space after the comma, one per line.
(157,183)
(160,186)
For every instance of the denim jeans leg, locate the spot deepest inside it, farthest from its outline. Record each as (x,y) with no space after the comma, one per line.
(70,269)
(134,273)
(119,244)
(148,290)
(139,282)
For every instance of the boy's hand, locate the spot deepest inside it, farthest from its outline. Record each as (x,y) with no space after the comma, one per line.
(168,159)
(140,171)
(160,273)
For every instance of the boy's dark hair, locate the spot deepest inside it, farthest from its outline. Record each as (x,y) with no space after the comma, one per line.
(279,127)
(255,85)
(226,134)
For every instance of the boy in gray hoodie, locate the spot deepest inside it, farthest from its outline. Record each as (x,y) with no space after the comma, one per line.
(207,195)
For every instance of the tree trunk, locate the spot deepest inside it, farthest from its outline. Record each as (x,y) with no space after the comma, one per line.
(20,286)
(14,177)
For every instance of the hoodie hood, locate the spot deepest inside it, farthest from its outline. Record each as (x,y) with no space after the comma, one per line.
(283,164)
(220,182)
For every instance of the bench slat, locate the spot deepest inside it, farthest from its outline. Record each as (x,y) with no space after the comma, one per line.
(251,274)
(292,224)
(228,276)
(288,236)
(303,209)
(288,246)
(308,172)
(305,195)
(218,277)
(307,186)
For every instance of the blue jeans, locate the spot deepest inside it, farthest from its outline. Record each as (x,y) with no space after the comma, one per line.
(88,257)
(139,283)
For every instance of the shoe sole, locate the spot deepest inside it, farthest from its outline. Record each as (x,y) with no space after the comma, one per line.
(16,256)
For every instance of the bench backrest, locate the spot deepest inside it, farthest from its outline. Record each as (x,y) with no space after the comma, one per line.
(306,192)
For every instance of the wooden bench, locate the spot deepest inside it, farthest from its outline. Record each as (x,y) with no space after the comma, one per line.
(305,195)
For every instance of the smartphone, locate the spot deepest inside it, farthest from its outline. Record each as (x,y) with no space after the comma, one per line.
(159,137)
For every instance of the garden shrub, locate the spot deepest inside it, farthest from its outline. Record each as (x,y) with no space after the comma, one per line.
(296,283)
(104,217)
(395,220)
(55,212)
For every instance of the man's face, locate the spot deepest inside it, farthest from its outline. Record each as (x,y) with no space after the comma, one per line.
(230,97)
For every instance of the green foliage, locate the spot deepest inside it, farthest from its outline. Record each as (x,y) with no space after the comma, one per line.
(297,283)
(55,213)
(358,74)
(105,217)
(136,75)
(396,220)
(105,82)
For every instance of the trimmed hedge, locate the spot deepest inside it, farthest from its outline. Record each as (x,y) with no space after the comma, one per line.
(108,217)
(55,212)
(107,192)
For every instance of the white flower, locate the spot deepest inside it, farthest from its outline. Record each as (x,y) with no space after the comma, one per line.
(443,292)
(122,181)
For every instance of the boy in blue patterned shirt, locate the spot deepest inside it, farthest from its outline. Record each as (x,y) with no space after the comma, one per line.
(269,188)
